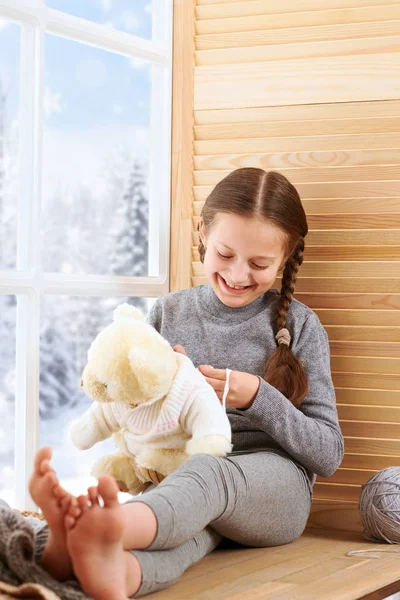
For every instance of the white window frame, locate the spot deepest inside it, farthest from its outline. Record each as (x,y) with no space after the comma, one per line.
(29,282)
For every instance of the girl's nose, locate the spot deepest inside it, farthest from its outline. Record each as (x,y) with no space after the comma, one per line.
(240,274)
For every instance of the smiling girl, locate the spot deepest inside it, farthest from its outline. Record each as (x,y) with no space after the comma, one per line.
(280,403)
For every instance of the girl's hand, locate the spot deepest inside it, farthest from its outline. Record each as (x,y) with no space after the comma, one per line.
(243,387)
(179,349)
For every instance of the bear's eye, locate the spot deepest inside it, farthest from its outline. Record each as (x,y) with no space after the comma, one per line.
(105,385)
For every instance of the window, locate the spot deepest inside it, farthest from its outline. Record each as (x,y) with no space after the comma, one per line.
(85,103)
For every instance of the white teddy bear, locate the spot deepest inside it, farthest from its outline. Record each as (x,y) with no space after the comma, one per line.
(153,401)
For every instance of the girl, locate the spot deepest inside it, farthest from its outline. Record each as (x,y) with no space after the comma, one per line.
(280,402)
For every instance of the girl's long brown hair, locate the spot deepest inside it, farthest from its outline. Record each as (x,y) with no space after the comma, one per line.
(250,193)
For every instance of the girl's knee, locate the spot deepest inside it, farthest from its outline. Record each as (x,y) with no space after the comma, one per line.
(202,460)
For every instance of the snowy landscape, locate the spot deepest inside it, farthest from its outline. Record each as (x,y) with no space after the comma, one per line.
(94,216)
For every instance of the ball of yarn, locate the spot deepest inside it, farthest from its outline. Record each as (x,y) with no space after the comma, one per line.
(380,506)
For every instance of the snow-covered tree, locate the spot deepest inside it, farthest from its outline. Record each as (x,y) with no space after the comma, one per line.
(56,380)
(129,235)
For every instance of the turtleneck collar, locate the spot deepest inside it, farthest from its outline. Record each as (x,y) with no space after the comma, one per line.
(217,309)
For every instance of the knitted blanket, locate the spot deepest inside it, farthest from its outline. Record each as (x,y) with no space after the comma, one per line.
(20,575)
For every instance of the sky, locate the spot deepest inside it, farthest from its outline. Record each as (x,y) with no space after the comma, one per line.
(96,103)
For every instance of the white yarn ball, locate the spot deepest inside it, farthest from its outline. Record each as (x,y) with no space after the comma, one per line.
(380,506)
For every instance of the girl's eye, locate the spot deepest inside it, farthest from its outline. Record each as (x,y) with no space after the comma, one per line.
(222,255)
(260,268)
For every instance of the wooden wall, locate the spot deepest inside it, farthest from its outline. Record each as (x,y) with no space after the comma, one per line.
(313,91)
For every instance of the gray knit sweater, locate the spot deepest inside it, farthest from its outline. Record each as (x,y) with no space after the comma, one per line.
(242,339)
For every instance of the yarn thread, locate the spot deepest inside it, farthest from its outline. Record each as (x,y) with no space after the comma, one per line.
(226,388)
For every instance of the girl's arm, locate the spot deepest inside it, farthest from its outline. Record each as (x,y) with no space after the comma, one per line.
(155,316)
(310,433)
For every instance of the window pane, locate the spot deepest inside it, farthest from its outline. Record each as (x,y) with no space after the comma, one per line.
(7,398)
(9,106)
(68,326)
(96,161)
(131,16)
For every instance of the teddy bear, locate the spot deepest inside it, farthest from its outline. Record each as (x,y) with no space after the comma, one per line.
(157,407)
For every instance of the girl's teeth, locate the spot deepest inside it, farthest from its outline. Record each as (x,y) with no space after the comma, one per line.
(235,287)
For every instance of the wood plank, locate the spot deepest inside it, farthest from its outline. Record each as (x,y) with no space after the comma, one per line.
(377,237)
(210,9)
(290,20)
(369,461)
(295,35)
(352,476)
(347,316)
(367,397)
(260,573)
(366,364)
(353,236)
(283,160)
(354,221)
(298,81)
(357,301)
(318,127)
(344,206)
(182,144)
(317,174)
(373,348)
(331,514)
(299,112)
(357,412)
(332,285)
(349,253)
(343,269)
(291,144)
(360,333)
(225,56)
(336,491)
(344,221)
(367,381)
(332,253)
(376,430)
(330,189)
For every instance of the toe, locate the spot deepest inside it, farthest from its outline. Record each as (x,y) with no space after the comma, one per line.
(50,478)
(108,490)
(74,509)
(69,521)
(59,492)
(83,503)
(41,455)
(93,495)
(65,502)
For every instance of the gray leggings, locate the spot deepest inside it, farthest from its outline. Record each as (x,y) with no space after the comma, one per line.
(260,499)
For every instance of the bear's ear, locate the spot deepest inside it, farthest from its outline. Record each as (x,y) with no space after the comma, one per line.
(127,311)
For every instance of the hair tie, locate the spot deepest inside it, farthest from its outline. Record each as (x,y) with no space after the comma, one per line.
(283,337)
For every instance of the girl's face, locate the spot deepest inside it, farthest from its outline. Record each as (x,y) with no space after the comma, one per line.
(243,257)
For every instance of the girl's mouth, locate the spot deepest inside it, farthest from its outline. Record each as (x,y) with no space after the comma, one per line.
(237,290)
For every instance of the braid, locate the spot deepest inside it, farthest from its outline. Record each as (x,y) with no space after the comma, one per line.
(202,250)
(201,247)
(283,370)
(289,279)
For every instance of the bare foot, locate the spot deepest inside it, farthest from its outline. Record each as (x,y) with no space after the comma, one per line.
(95,543)
(54,502)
